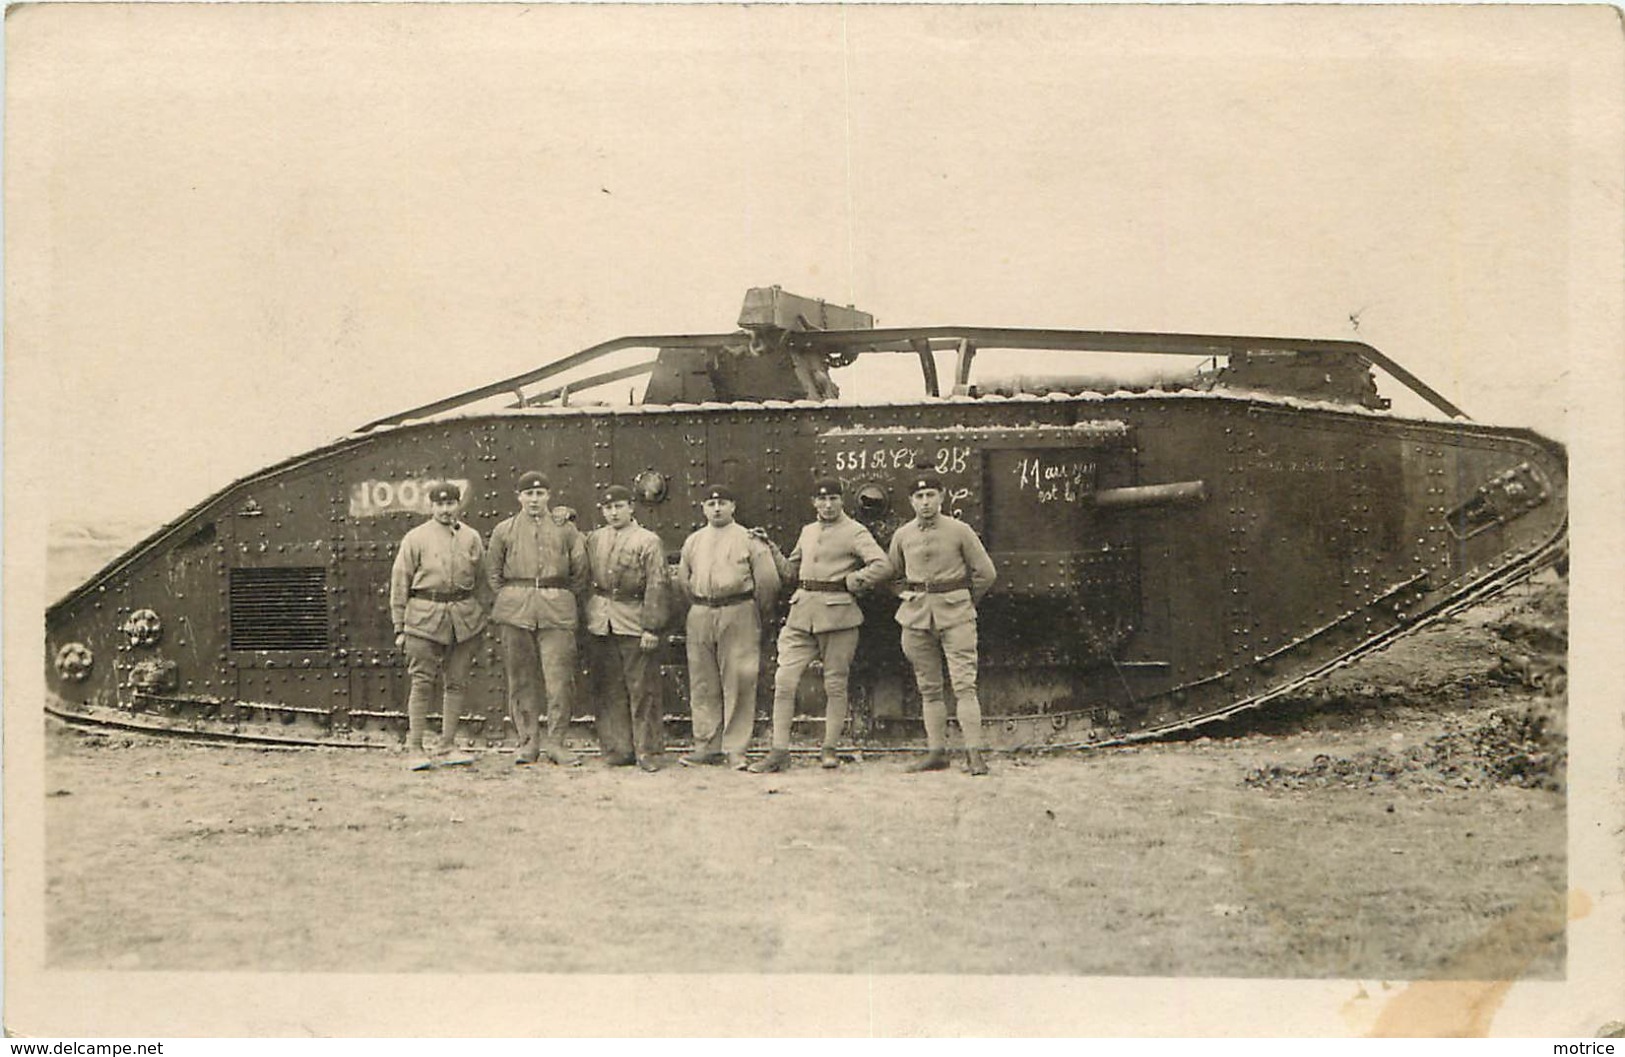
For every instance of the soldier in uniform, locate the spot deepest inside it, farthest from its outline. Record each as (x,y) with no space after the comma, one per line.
(438,619)
(834,559)
(537,567)
(942,571)
(731,584)
(625,612)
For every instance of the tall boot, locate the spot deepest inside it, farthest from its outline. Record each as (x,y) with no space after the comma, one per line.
(553,748)
(446,753)
(449,717)
(528,729)
(835,713)
(828,758)
(417,724)
(934,760)
(558,722)
(775,761)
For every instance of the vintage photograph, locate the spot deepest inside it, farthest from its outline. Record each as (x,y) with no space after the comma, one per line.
(923,512)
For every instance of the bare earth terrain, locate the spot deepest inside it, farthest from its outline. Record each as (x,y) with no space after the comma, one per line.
(1404,820)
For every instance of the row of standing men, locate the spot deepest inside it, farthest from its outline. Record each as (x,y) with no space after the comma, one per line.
(540,579)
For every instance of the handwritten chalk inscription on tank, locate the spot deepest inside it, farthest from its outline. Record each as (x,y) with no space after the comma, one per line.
(879,457)
(1055,478)
(871,458)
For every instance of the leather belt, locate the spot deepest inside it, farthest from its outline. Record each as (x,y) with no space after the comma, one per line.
(618,596)
(536,581)
(824,585)
(726,600)
(441,596)
(939,587)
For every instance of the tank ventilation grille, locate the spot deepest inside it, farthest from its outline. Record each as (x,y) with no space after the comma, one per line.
(279,608)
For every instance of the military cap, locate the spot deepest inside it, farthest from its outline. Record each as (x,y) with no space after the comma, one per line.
(827,486)
(444,492)
(921,481)
(615,493)
(717,491)
(532,480)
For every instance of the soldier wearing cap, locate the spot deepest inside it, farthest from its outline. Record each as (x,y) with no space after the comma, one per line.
(537,567)
(625,611)
(835,558)
(729,578)
(942,571)
(438,617)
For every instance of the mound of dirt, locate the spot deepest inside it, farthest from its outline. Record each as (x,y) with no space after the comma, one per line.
(1523,746)
(1535,641)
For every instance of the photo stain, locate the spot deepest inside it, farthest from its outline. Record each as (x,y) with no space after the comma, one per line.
(1463,1007)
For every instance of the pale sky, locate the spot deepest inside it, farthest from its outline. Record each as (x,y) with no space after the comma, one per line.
(235,232)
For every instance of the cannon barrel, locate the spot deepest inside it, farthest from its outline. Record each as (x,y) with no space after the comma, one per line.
(1175,493)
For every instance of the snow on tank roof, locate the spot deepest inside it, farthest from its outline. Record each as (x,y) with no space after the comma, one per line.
(633,410)
(1096,427)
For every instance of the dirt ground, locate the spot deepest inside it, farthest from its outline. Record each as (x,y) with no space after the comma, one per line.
(1406,819)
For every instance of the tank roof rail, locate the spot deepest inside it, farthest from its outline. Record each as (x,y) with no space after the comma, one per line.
(912,340)
(516,384)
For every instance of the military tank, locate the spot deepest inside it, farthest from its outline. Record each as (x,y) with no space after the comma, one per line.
(1172,549)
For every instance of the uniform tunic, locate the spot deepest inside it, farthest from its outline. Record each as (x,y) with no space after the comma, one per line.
(628,577)
(941,625)
(834,550)
(823,624)
(537,623)
(524,548)
(722,562)
(945,551)
(724,642)
(438,558)
(629,597)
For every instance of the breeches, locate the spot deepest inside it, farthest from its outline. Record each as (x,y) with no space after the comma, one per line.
(797,649)
(926,650)
(427,661)
(724,655)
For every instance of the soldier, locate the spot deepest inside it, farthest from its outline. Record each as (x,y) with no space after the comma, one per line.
(438,620)
(834,559)
(537,566)
(730,581)
(943,571)
(625,612)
